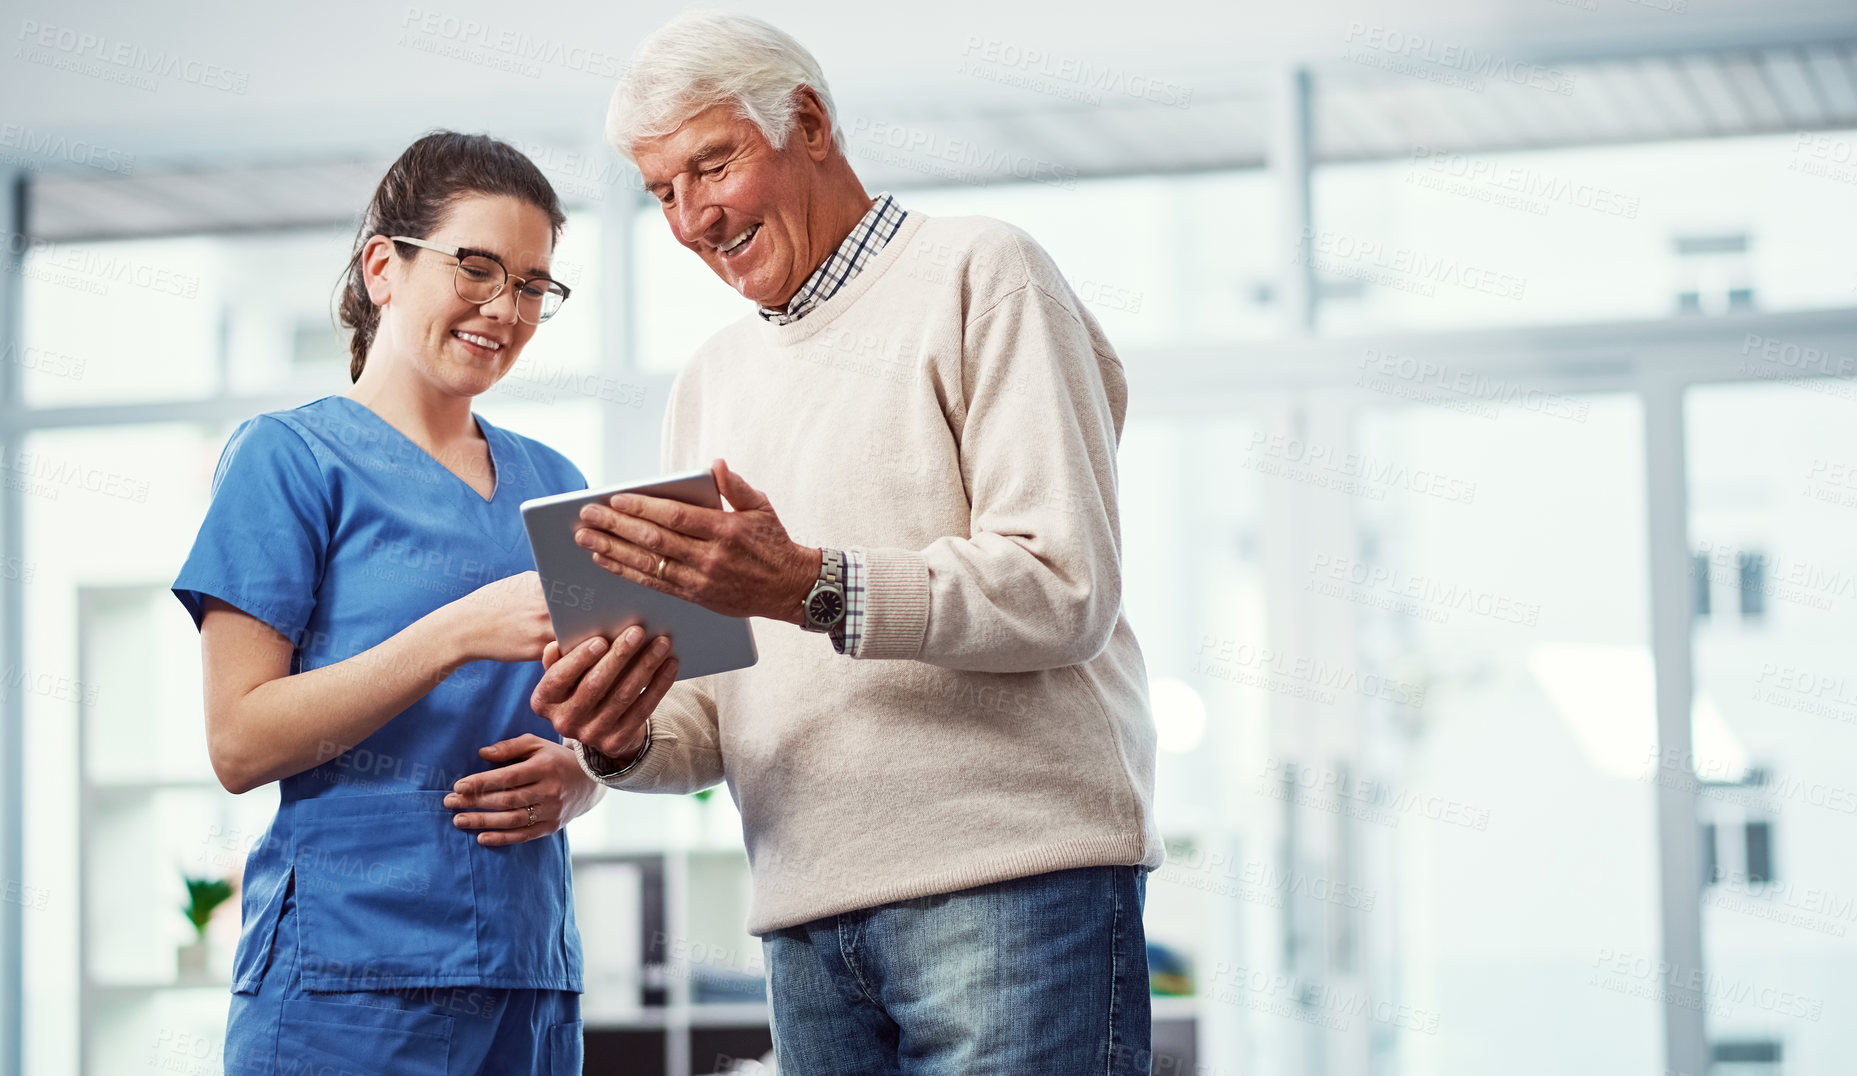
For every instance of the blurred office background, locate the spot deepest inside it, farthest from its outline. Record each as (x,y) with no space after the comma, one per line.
(1489,491)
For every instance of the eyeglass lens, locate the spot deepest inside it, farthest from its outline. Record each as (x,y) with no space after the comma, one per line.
(480,280)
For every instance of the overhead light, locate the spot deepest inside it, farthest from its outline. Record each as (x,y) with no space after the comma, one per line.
(1179,714)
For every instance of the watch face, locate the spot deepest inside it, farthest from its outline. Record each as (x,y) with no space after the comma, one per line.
(826,607)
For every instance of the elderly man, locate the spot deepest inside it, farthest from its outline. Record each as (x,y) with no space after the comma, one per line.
(944,758)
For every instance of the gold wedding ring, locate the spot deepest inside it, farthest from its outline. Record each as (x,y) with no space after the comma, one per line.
(531,810)
(660,567)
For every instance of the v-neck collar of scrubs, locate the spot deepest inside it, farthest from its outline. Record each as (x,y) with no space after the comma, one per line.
(484,428)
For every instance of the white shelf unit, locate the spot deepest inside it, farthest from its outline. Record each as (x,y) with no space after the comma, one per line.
(686,857)
(149,811)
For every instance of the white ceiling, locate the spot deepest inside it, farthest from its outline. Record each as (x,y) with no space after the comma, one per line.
(335,73)
(332,90)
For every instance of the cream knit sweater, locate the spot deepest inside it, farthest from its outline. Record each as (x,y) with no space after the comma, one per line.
(953,413)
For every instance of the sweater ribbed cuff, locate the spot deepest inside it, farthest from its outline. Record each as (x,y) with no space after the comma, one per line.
(640,774)
(896,604)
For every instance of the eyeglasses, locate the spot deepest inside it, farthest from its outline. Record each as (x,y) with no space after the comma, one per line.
(480,278)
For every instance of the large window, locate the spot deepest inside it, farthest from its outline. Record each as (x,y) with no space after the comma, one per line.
(1775,765)
(1501,572)
(1441,239)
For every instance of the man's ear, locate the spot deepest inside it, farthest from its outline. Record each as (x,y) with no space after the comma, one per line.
(376,256)
(812,126)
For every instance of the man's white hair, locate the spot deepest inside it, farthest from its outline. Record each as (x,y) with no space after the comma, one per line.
(703,58)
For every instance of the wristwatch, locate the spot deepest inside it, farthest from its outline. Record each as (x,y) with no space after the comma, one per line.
(824,607)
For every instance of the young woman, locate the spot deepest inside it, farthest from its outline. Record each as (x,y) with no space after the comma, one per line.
(371,637)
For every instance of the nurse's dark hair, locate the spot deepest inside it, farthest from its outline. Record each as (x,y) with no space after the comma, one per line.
(414,196)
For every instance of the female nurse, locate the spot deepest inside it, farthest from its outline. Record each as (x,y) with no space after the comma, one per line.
(371,635)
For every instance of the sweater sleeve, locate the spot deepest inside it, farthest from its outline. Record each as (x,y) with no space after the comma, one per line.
(685,754)
(1036,583)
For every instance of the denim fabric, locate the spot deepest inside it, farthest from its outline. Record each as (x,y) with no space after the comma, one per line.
(1038,976)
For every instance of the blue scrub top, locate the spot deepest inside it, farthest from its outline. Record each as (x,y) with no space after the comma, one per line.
(337,530)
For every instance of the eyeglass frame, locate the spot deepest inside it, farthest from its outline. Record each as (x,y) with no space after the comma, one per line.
(461,252)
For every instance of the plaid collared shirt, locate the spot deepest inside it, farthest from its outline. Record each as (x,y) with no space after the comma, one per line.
(865,242)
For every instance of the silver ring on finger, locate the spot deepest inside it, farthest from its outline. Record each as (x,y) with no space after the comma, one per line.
(531,810)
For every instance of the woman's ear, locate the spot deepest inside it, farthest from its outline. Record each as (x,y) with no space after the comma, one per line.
(376,258)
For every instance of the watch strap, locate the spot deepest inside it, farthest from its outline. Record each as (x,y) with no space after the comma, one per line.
(603,767)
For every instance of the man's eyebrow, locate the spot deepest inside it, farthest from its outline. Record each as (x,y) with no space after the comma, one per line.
(706,152)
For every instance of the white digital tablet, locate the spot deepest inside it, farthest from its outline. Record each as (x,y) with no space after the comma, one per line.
(585,599)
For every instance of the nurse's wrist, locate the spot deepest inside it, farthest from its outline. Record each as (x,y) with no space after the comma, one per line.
(453,643)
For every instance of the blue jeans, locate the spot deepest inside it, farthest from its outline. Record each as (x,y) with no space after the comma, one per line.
(1038,976)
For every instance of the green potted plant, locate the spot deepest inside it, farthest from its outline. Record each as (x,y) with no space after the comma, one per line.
(204,896)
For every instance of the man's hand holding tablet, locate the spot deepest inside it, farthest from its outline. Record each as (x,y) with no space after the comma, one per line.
(737,563)
(597,694)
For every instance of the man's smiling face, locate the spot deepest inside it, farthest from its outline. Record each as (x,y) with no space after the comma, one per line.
(743,206)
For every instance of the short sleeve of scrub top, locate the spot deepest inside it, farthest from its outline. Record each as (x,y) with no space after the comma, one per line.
(261,548)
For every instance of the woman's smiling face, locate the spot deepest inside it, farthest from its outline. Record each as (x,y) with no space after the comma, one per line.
(456,345)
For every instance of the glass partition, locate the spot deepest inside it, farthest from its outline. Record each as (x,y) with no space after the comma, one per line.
(1773,523)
